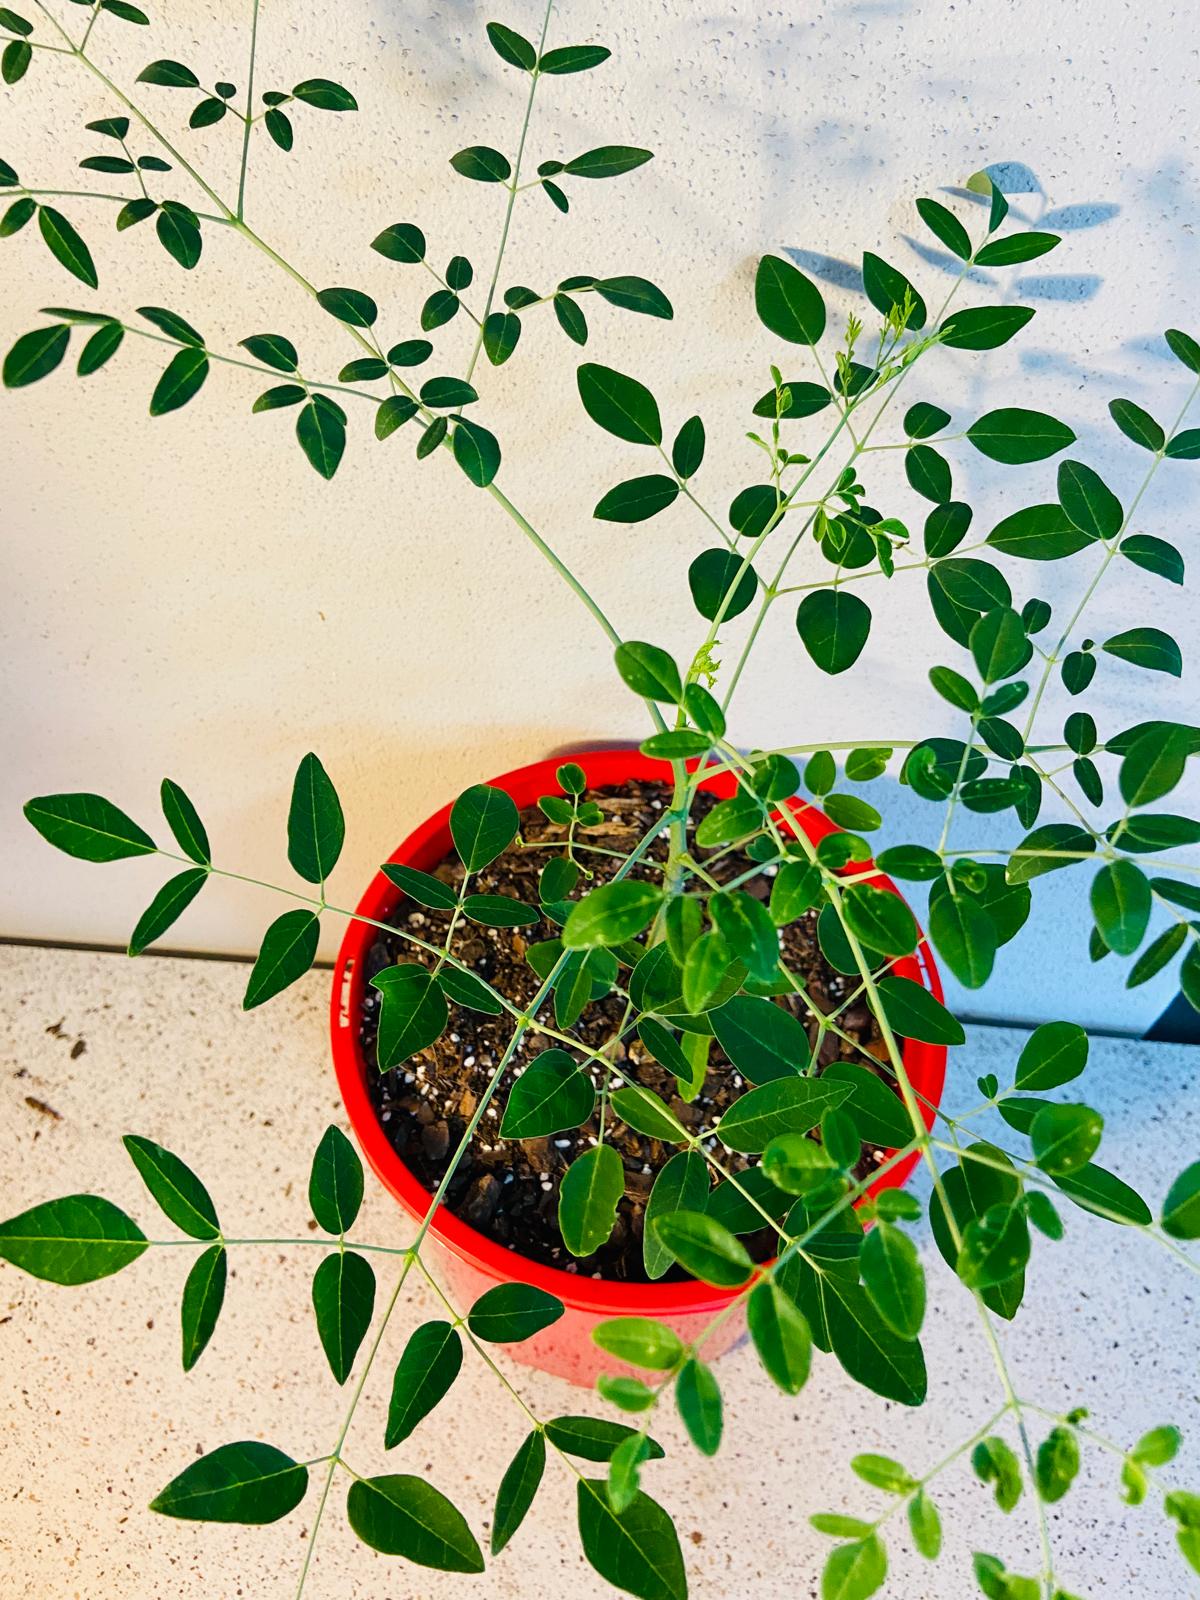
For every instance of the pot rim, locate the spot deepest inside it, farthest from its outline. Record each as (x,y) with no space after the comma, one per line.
(424,848)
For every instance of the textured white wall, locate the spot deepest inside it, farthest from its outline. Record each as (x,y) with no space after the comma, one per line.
(187,597)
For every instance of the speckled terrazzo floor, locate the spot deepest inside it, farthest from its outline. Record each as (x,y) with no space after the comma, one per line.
(95,1414)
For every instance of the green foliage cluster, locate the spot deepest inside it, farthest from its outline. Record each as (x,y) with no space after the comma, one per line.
(697,960)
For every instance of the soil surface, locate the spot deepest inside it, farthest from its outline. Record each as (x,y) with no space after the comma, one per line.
(508,1189)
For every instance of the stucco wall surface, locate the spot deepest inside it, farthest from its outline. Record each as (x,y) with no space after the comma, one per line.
(186,596)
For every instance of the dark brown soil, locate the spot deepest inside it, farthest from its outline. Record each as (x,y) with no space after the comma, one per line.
(506,1189)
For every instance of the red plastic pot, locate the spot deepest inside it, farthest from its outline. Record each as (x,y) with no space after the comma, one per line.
(472,1263)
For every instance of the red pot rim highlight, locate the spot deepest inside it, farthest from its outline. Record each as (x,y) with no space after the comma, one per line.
(424,848)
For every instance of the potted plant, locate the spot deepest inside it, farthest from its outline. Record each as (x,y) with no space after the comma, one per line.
(675,970)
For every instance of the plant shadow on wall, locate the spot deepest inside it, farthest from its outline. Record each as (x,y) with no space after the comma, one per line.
(681,941)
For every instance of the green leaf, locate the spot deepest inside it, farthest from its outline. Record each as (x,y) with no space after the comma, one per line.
(1137,424)
(77,1239)
(634,294)
(325,95)
(514,48)
(925,1525)
(888,289)
(1121,904)
(833,626)
(570,319)
(170,74)
(343,1294)
(14,63)
(573,58)
(1016,247)
(1100,1192)
(1146,647)
(178,230)
(638,499)
(866,1347)
(249,1482)
(501,331)
(512,1312)
(1184,348)
(637,1549)
(984,327)
(1156,955)
(35,355)
(183,378)
(335,1184)
(746,926)
(1181,1208)
(498,911)
(172,324)
(796,1164)
(316,826)
(1048,849)
(965,938)
(422,887)
(594,1438)
(893,1277)
(946,227)
(875,1108)
(787,302)
(995,1247)
(704,1248)
(1088,501)
(413,1012)
(999,645)
(1154,555)
(687,453)
(393,413)
(518,1487)
(645,1113)
(66,246)
(288,949)
(427,1368)
(681,1185)
(351,306)
(928,473)
(995,1462)
(18,214)
(477,452)
(641,1341)
(879,919)
(203,1297)
(87,826)
(587,1201)
(620,405)
(698,1397)
(1064,1138)
(913,1013)
(785,1105)
(611,914)
(401,1515)
(744,1203)
(762,1039)
(781,1336)
(483,823)
(1053,1054)
(279,126)
(795,399)
(608,161)
(679,744)
(483,164)
(923,420)
(100,348)
(1039,533)
(1016,436)
(1057,1463)
(796,889)
(403,241)
(178,1191)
